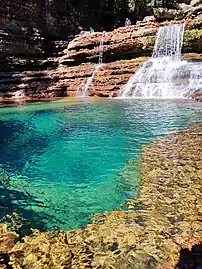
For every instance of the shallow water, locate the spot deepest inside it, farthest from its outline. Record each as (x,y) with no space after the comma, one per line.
(64,159)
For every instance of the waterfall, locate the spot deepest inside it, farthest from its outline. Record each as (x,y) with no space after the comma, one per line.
(165,75)
(195,81)
(101,49)
(84,90)
(169,42)
(90,80)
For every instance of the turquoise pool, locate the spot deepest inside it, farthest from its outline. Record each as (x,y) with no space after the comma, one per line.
(64,159)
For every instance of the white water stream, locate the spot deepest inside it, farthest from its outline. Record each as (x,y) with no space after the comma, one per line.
(165,75)
(84,89)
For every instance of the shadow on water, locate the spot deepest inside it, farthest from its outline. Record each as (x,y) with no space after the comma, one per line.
(190,259)
(12,211)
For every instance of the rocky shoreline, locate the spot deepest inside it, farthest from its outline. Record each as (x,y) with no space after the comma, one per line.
(161,230)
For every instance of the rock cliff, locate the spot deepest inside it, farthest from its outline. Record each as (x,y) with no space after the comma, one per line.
(128,42)
(37,60)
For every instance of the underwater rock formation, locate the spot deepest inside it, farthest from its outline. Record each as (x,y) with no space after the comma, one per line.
(161,230)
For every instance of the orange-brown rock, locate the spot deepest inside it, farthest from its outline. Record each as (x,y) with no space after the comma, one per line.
(31,78)
(132,41)
(69,81)
(66,81)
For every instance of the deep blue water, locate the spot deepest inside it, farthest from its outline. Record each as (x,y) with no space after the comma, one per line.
(64,159)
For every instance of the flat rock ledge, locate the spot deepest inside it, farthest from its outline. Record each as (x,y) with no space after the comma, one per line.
(129,42)
(162,229)
(67,81)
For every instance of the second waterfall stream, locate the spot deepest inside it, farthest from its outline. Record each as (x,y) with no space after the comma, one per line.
(84,90)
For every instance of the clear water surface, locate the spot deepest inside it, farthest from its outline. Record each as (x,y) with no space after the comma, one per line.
(64,158)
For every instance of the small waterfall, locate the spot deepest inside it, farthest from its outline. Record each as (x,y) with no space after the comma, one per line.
(84,89)
(164,76)
(90,80)
(169,42)
(101,50)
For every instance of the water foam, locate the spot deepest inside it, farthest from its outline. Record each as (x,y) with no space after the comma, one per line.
(165,75)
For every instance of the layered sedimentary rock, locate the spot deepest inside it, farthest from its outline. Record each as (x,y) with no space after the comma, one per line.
(66,81)
(162,230)
(132,41)
(35,64)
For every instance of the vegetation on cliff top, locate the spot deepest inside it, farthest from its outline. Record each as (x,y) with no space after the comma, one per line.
(112,13)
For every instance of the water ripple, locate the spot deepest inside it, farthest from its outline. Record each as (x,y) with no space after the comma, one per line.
(68,156)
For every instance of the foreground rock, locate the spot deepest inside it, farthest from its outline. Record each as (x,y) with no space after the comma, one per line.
(162,230)
(7,241)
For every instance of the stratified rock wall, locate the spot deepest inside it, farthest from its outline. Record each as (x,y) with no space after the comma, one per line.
(128,42)
(36,56)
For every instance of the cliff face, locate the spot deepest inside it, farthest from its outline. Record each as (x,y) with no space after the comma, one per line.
(36,56)
(127,42)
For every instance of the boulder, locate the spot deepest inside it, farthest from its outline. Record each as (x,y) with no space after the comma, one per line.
(185,7)
(197,95)
(163,14)
(148,19)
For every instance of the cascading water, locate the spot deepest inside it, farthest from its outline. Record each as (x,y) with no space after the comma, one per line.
(164,76)
(169,42)
(195,82)
(101,49)
(89,81)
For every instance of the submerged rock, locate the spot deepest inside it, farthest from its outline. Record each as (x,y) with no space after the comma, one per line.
(161,231)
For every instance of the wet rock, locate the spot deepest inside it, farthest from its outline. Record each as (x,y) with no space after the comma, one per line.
(7,241)
(66,81)
(197,95)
